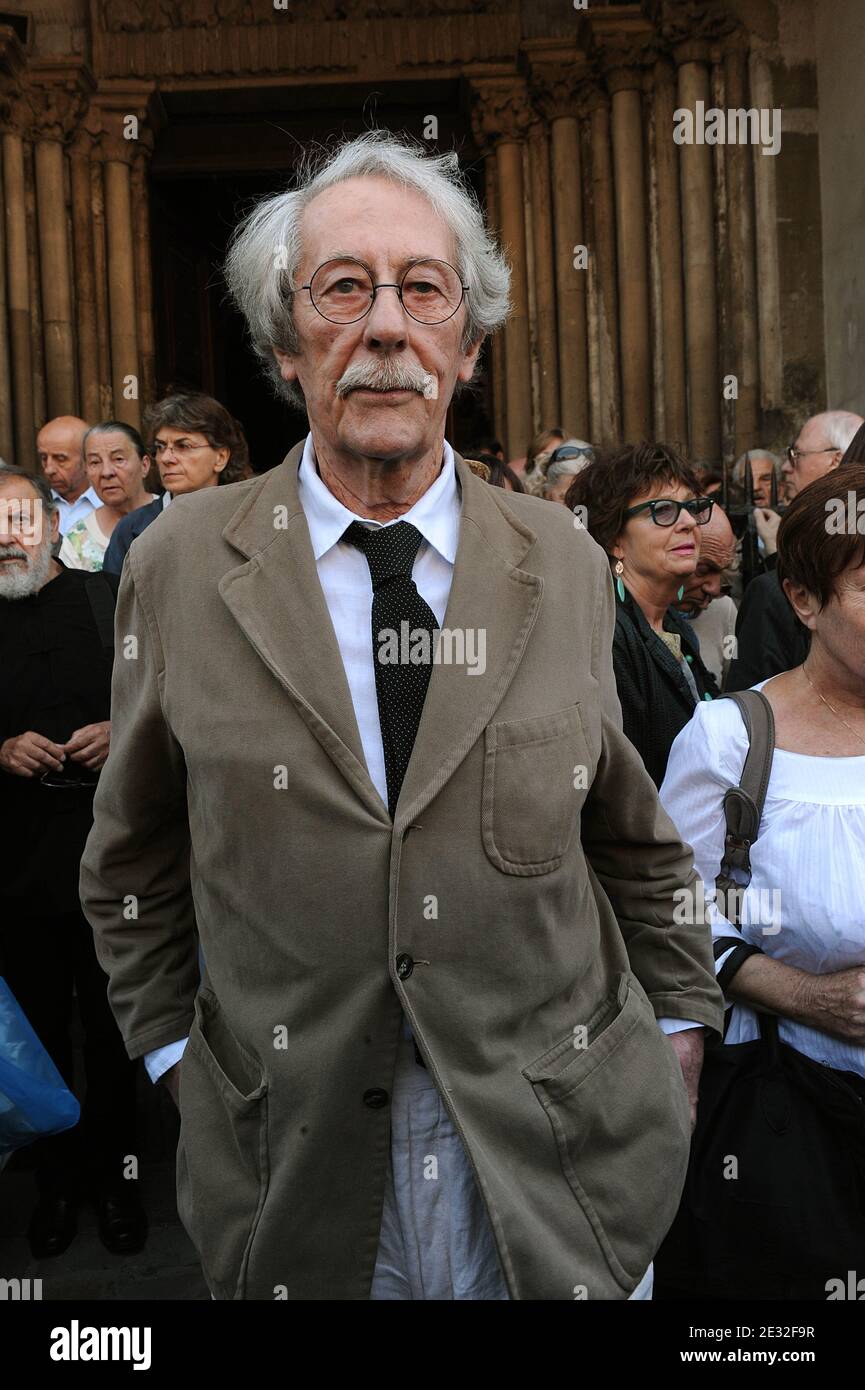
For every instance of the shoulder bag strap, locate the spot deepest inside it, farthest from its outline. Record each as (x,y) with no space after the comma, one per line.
(743,805)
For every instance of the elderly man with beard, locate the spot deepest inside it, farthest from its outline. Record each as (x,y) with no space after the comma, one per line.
(712,613)
(55,672)
(436,898)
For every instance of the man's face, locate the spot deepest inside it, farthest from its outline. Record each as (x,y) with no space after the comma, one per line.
(706,583)
(814,457)
(59,449)
(386,227)
(761,474)
(25,540)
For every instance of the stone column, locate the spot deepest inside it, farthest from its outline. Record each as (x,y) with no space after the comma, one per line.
(625,86)
(742,255)
(37,336)
(555,92)
(58,89)
(608,428)
(501,116)
(496,344)
(100,274)
(117,156)
(80,156)
(143,272)
(620,44)
(698,224)
(18,297)
(16,381)
(540,202)
(670,257)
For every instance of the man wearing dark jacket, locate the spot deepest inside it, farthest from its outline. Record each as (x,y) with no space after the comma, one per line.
(56,649)
(769,638)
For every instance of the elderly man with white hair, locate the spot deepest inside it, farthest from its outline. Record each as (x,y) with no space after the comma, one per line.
(769,638)
(369,753)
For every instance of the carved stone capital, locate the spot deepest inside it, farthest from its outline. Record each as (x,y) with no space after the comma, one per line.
(54,98)
(691,27)
(501,110)
(123,121)
(621,47)
(556,90)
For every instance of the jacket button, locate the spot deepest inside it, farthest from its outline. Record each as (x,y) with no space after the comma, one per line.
(404,967)
(375,1098)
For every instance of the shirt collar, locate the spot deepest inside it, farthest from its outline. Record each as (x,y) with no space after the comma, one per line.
(436,514)
(89,495)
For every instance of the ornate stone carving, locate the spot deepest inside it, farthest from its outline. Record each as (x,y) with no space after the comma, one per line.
(139,16)
(692,23)
(48,103)
(501,110)
(556,91)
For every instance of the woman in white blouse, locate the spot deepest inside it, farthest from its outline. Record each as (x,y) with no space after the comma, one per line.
(805,907)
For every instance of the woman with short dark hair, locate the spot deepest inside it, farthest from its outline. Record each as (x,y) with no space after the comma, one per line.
(643,505)
(196,444)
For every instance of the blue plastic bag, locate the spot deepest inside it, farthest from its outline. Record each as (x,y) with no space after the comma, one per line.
(34,1098)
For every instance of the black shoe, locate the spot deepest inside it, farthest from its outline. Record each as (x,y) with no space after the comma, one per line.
(122,1221)
(53,1225)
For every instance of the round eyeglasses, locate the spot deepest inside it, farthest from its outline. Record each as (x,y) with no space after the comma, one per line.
(343,291)
(665,511)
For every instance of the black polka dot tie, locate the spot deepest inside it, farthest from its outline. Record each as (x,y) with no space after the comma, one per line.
(402,654)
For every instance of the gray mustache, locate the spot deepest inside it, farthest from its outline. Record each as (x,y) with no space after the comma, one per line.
(385,376)
(12,554)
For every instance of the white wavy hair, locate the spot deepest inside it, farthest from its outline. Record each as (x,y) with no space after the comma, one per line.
(266,248)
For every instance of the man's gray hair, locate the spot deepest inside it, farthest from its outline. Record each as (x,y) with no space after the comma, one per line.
(266,249)
(749,456)
(49,501)
(840,427)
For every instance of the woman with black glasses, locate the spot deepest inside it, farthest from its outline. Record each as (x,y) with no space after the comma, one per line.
(642,503)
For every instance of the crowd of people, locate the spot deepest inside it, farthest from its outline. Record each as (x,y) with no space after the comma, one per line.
(713,582)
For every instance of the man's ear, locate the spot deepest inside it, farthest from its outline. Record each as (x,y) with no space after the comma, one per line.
(804,604)
(470,360)
(836,459)
(287,369)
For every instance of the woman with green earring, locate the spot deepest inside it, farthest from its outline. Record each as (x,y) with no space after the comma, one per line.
(643,505)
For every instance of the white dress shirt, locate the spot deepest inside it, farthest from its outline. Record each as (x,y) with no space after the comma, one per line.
(72,512)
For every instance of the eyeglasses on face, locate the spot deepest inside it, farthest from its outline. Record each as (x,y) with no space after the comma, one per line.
(794,454)
(342,290)
(179,448)
(664,511)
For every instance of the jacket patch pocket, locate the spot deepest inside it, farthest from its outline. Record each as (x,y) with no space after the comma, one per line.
(618,1106)
(536,775)
(222,1160)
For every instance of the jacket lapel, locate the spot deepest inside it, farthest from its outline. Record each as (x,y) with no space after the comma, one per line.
(490,594)
(276,598)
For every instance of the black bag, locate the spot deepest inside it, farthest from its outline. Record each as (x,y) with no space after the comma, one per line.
(774,1199)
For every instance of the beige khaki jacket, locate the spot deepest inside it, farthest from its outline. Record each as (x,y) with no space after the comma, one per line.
(526,886)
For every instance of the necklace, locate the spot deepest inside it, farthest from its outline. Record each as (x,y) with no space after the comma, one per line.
(832,708)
